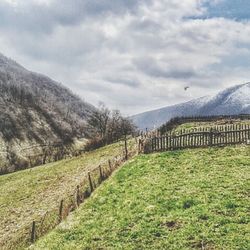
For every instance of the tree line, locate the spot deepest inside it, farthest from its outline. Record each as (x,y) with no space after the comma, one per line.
(106,126)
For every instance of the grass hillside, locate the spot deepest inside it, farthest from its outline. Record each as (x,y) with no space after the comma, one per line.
(198,125)
(190,199)
(27,195)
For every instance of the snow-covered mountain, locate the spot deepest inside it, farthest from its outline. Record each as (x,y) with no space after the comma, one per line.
(231,101)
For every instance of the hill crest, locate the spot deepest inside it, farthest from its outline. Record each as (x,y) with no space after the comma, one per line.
(231,101)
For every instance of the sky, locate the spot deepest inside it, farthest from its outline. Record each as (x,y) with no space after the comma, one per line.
(132,55)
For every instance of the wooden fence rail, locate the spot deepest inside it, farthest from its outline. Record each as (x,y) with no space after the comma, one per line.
(89,183)
(203,137)
(172,123)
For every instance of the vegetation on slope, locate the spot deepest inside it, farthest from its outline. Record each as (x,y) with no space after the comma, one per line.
(190,199)
(35,110)
(107,127)
(27,195)
(198,125)
(203,122)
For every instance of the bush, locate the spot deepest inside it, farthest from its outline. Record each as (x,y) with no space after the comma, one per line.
(21,164)
(94,144)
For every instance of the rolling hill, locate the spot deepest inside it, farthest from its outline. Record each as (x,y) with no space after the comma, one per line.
(35,111)
(232,101)
(189,199)
(31,194)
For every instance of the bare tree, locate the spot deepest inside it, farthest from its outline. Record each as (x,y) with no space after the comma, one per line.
(126,127)
(114,125)
(109,126)
(98,121)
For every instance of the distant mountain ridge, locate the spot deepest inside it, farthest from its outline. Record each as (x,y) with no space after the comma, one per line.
(231,101)
(35,110)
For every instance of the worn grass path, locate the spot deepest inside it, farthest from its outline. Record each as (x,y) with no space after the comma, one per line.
(190,199)
(27,195)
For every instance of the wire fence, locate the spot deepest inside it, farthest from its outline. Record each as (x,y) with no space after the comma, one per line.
(40,224)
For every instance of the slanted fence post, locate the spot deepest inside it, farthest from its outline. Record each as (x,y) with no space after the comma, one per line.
(78,198)
(60,211)
(110,166)
(33,232)
(90,183)
(126,147)
(101,174)
(140,146)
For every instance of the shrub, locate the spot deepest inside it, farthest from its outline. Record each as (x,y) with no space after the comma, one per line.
(94,144)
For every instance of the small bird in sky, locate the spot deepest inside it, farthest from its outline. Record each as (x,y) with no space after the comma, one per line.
(186,88)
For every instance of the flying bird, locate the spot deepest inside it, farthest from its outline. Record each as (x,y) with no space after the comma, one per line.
(186,88)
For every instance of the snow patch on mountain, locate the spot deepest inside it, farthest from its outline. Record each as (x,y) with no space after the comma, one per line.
(231,101)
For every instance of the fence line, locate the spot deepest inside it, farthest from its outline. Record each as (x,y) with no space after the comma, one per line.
(172,123)
(92,179)
(196,138)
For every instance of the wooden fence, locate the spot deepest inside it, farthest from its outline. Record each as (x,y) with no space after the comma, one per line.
(176,121)
(196,138)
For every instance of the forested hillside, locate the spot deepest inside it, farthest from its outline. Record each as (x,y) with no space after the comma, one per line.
(35,112)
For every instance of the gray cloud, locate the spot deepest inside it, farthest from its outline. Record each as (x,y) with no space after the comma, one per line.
(43,18)
(126,80)
(133,55)
(153,68)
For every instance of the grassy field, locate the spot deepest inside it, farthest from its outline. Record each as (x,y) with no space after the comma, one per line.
(29,153)
(197,125)
(27,195)
(190,199)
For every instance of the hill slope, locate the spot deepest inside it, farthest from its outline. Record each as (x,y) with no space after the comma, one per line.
(232,101)
(32,193)
(35,110)
(190,199)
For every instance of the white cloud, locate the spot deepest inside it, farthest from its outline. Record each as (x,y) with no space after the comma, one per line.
(133,55)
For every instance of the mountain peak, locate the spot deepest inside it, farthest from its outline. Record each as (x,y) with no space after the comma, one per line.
(9,64)
(231,101)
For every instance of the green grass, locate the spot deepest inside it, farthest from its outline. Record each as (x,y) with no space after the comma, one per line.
(27,195)
(197,125)
(190,199)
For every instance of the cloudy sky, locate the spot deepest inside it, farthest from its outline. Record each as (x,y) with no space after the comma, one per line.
(133,55)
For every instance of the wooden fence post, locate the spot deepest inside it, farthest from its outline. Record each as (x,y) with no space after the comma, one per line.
(78,198)
(135,139)
(90,183)
(140,146)
(33,232)
(126,147)
(110,166)
(211,137)
(60,211)
(101,174)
